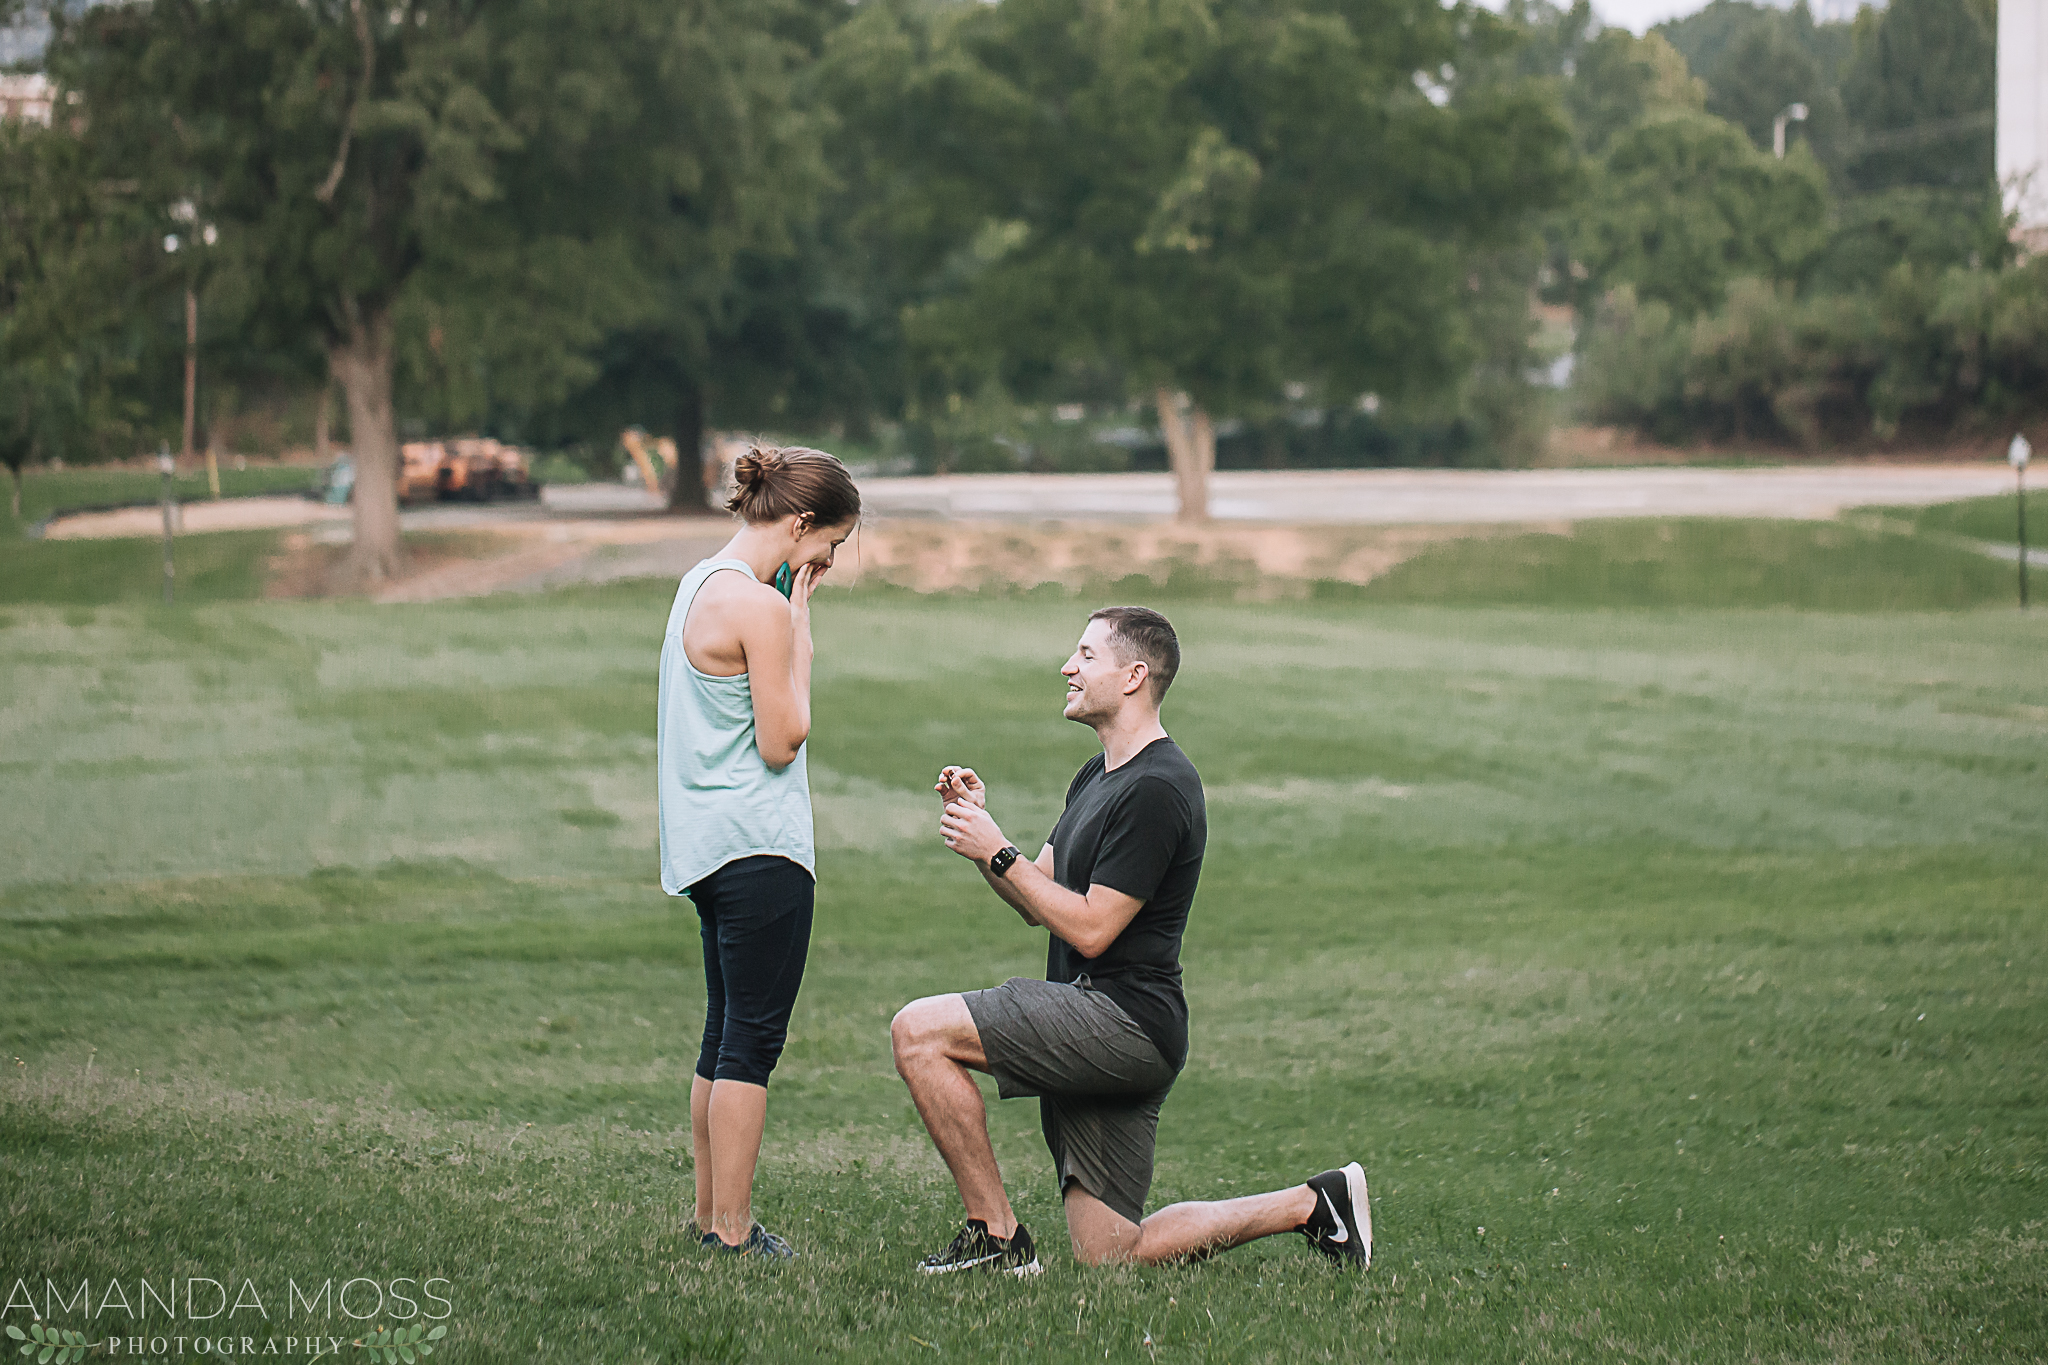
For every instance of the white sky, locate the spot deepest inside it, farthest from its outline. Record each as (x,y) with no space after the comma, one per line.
(1638,15)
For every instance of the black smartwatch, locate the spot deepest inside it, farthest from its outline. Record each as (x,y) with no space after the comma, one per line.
(999,866)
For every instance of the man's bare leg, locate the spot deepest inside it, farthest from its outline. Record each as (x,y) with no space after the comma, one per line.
(936,1044)
(1179,1231)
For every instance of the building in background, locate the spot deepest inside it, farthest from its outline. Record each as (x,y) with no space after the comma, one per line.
(27,98)
(2023,117)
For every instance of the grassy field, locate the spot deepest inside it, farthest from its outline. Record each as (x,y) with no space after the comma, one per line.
(45,491)
(1679,976)
(211,568)
(1835,566)
(1703,561)
(1988,519)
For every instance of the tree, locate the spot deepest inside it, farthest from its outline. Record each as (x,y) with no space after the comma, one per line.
(1758,59)
(1921,84)
(69,283)
(487,174)
(1764,72)
(709,191)
(1682,206)
(1620,80)
(1215,197)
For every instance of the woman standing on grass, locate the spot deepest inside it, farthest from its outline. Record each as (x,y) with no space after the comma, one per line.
(735,812)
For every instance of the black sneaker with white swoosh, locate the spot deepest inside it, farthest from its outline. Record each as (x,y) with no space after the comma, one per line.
(976,1248)
(1341,1226)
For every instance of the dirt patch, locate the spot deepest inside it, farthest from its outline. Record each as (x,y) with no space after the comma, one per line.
(1249,562)
(1253,563)
(500,563)
(305,566)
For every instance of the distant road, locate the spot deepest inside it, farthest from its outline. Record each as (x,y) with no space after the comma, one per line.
(609,511)
(1412,496)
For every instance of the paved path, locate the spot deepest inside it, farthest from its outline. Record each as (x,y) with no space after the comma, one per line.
(1418,496)
(1346,497)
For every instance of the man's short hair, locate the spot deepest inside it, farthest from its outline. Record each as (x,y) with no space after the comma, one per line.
(1142,633)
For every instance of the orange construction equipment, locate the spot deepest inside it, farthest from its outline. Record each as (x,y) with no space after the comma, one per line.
(635,442)
(477,468)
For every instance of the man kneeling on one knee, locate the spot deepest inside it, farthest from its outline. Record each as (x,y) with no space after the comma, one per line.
(1101,1039)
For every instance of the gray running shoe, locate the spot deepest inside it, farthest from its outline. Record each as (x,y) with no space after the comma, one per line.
(760,1242)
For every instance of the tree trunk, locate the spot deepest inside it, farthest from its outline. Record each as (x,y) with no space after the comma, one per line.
(696,473)
(191,370)
(322,416)
(362,362)
(15,470)
(1191,449)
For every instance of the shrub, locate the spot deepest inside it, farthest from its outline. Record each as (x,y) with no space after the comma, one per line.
(1631,369)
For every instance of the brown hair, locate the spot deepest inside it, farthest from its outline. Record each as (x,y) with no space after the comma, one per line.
(780,481)
(1142,633)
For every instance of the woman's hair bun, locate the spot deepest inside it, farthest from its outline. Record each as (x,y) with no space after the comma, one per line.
(755,468)
(779,481)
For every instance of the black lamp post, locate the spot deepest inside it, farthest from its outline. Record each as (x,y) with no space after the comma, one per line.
(2017,454)
(165,466)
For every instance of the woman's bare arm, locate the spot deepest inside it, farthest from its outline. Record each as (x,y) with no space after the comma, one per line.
(778,649)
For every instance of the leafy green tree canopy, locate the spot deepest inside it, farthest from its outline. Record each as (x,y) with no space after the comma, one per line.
(490,172)
(71,281)
(1921,83)
(1619,80)
(1217,196)
(1682,206)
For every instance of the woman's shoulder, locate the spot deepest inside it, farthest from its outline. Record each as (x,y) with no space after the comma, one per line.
(733,581)
(735,600)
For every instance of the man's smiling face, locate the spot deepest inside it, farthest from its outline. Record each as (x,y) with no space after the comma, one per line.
(1096,679)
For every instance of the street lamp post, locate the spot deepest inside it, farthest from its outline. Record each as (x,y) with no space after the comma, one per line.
(164,467)
(2017,454)
(185,212)
(1792,113)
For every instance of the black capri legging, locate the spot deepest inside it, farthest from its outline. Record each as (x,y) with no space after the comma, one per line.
(756,917)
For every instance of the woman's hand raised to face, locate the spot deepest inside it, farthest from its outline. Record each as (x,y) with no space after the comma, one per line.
(800,591)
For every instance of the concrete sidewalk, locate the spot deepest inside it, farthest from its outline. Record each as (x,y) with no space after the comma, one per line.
(1438,496)
(1382,497)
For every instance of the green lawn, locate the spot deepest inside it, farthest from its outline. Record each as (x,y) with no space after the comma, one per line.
(210,568)
(1679,977)
(1988,519)
(225,566)
(1703,561)
(45,491)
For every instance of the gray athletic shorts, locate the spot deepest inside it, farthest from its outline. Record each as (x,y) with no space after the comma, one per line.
(1098,1078)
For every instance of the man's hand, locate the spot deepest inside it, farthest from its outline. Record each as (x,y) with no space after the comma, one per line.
(961,784)
(971,831)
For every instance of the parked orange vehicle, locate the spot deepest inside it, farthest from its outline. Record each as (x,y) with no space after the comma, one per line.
(476,468)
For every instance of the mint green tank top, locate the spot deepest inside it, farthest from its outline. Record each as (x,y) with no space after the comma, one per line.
(718,799)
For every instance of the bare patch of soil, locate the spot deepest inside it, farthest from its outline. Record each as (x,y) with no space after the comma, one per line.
(306,567)
(1254,562)
(1251,562)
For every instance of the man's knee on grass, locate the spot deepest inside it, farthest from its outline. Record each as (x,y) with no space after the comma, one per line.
(1099,1234)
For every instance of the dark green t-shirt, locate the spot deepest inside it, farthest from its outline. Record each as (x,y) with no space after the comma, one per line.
(1140,830)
